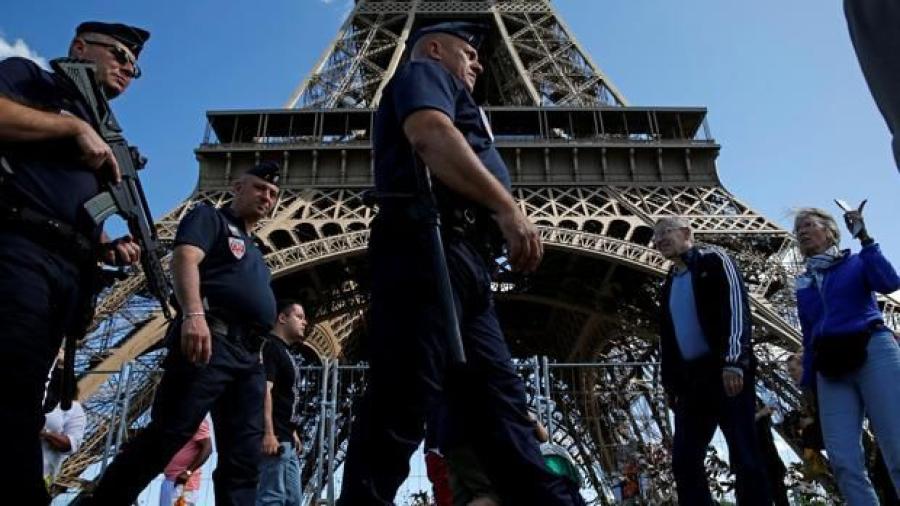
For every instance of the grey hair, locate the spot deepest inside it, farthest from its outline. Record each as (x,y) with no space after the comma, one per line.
(822,218)
(673,221)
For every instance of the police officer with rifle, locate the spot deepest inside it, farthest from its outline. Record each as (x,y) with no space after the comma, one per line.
(57,153)
(433,252)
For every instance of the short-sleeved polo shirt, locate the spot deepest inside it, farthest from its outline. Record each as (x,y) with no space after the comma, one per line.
(49,176)
(418,85)
(234,278)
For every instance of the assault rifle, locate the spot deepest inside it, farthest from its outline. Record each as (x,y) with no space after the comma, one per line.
(124,198)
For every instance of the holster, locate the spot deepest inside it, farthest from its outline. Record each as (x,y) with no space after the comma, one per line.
(477,227)
(248,335)
(471,224)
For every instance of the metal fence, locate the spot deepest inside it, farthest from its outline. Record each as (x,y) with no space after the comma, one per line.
(609,418)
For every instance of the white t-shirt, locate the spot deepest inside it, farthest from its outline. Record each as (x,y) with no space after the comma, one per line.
(72,424)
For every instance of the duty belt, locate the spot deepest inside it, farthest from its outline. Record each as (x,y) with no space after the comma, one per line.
(250,336)
(467,223)
(49,232)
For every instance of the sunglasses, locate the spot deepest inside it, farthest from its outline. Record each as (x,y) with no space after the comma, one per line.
(121,56)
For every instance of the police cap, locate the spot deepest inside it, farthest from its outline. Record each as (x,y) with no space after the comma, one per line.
(131,36)
(268,171)
(473,33)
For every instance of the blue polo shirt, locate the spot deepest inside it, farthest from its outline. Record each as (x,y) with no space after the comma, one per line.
(421,85)
(48,175)
(234,278)
(691,340)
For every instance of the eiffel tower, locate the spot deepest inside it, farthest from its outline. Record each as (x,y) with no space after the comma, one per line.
(590,170)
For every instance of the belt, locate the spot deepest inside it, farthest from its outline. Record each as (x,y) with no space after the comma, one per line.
(250,336)
(467,223)
(48,232)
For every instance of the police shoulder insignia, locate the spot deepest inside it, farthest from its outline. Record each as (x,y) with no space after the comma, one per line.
(237,247)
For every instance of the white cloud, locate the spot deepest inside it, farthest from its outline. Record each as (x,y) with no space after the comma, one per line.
(20,48)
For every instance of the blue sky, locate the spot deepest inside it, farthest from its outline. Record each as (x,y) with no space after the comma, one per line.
(786,97)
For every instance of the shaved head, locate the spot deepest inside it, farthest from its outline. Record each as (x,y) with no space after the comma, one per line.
(454,54)
(424,47)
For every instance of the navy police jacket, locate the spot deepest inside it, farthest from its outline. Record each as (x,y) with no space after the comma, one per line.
(723,309)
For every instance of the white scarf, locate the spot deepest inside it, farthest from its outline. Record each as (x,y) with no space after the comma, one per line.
(818,264)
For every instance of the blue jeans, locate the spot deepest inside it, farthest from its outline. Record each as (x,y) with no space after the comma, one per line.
(279,479)
(873,390)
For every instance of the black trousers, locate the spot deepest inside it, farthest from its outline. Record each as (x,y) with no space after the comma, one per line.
(698,411)
(38,294)
(409,372)
(231,388)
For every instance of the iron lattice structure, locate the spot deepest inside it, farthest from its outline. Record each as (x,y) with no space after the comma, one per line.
(591,171)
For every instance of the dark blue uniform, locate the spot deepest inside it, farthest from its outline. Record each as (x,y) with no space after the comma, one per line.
(234,282)
(410,375)
(40,274)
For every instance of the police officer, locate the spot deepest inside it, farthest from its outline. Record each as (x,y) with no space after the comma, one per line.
(226,308)
(427,111)
(51,162)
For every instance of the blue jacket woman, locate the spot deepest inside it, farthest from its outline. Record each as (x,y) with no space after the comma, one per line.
(850,357)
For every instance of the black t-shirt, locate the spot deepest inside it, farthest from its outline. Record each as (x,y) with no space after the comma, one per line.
(234,278)
(48,175)
(427,85)
(283,370)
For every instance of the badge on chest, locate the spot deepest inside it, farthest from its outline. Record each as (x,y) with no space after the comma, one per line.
(236,243)
(237,247)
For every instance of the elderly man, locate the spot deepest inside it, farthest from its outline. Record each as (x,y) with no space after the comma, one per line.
(51,162)
(708,366)
(226,308)
(428,116)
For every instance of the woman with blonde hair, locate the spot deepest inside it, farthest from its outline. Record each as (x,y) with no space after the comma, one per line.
(850,358)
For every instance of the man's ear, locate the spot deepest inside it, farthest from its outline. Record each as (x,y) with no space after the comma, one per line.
(77,47)
(435,49)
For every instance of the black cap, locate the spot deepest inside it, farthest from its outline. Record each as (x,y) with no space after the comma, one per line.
(472,33)
(132,36)
(268,171)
